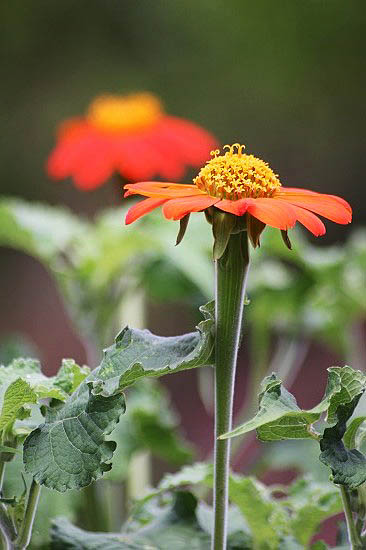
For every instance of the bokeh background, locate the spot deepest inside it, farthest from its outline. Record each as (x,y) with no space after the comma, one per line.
(286,78)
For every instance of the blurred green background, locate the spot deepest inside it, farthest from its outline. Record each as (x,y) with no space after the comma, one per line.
(284,77)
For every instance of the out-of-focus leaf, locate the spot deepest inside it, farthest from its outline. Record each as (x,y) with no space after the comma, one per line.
(179,522)
(175,526)
(311,503)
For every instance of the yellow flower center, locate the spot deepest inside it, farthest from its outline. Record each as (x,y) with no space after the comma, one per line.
(127,114)
(235,175)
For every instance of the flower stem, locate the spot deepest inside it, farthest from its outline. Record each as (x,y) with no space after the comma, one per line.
(231,274)
(353,534)
(25,532)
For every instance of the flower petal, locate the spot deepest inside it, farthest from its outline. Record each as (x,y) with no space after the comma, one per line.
(175,209)
(234,207)
(272,212)
(141,208)
(162,189)
(310,221)
(331,207)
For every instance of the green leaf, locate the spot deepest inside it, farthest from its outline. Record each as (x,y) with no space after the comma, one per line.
(345,387)
(349,437)
(144,427)
(348,466)
(70,375)
(265,517)
(311,503)
(17,394)
(139,353)
(69,450)
(175,526)
(279,416)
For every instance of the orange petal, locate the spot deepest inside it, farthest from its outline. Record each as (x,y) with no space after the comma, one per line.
(162,190)
(176,209)
(234,207)
(141,208)
(310,221)
(272,212)
(331,207)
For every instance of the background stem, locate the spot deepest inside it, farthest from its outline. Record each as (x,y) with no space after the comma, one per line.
(230,278)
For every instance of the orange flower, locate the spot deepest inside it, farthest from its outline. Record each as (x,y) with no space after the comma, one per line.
(130,135)
(240,184)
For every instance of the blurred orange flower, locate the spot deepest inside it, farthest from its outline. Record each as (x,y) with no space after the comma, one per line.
(130,135)
(241,184)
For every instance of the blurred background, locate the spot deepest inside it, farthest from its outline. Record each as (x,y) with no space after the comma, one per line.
(285,78)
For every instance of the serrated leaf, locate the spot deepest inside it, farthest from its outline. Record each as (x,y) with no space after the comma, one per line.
(69,450)
(139,353)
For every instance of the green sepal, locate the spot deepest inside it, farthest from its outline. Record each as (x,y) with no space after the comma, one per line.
(183,224)
(223,224)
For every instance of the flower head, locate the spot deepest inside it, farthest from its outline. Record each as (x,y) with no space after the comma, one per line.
(128,134)
(246,188)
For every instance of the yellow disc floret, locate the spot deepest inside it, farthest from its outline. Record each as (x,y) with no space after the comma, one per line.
(127,114)
(235,175)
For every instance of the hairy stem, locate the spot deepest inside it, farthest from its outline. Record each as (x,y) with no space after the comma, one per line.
(25,532)
(353,535)
(230,278)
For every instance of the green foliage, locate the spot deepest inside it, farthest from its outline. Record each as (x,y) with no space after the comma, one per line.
(139,353)
(279,417)
(271,523)
(22,385)
(70,449)
(146,427)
